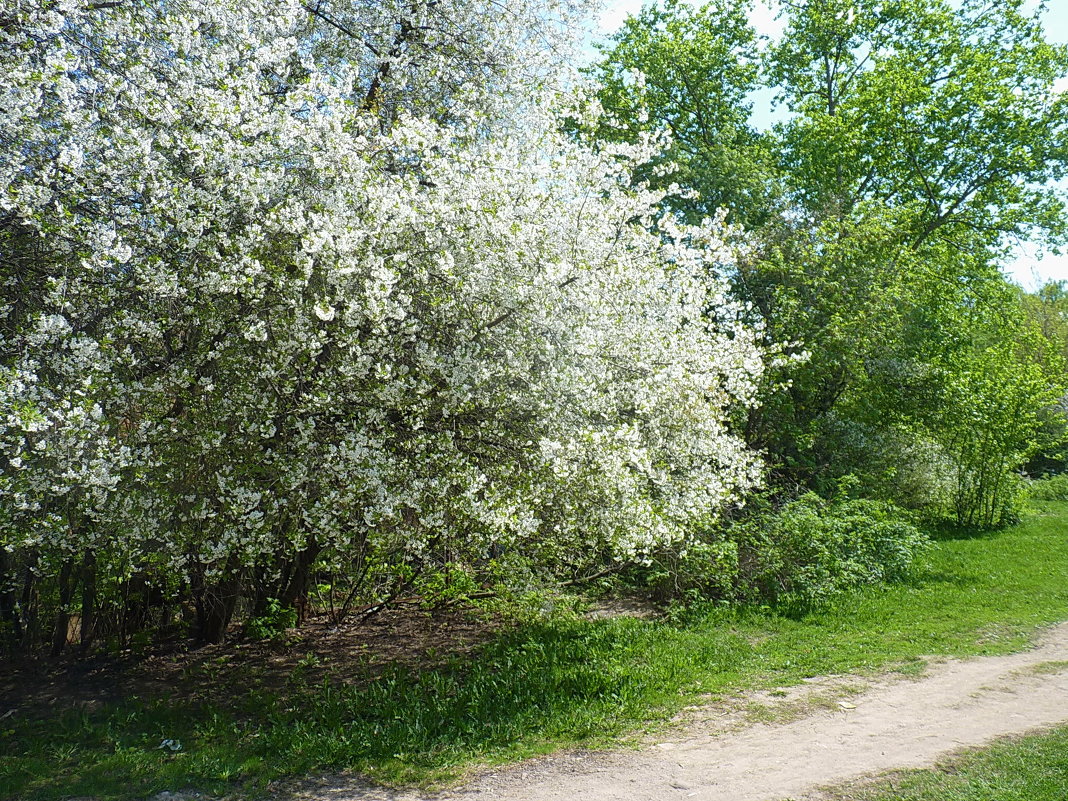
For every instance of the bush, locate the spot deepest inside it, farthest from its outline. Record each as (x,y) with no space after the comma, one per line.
(1051,488)
(273,623)
(811,549)
(798,554)
(704,569)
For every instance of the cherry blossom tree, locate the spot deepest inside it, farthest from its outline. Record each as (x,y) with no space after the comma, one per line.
(291,281)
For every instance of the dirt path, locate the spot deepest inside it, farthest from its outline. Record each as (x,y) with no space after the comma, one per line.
(843,732)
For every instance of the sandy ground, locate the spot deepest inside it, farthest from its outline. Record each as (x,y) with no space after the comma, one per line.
(838,730)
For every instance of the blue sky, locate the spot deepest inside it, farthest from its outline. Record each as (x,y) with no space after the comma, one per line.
(1031,266)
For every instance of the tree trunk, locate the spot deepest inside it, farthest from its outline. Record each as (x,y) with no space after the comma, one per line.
(9,611)
(66,590)
(28,611)
(216,604)
(88,621)
(296,591)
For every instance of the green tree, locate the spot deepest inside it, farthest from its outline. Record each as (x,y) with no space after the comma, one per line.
(992,422)
(688,72)
(946,112)
(1046,315)
(920,139)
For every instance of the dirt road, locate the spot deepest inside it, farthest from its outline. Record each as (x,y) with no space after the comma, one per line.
(838,732)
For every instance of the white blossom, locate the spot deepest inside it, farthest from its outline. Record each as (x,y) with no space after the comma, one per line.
(294,291)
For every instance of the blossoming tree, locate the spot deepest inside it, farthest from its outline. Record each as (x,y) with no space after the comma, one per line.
(285,282)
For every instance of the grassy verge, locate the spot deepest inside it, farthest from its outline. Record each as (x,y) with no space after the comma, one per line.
(546,685)
(1028,769)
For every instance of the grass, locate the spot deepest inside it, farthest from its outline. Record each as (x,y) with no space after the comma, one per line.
(1049,668)
(548,684)
(1026,769)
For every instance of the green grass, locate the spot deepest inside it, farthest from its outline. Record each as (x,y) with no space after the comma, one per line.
(1027,769)
(550,684)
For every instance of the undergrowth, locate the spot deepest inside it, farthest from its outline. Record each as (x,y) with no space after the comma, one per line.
(549,683)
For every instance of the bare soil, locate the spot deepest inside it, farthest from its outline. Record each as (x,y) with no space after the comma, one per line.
(831,731)
(318,651)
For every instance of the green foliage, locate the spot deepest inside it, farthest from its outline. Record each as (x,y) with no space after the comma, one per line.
(273,623)
(940,117)
(811,550)
(697,67)
(1051,488)
(452,582)
(842,289)
(704,569)
(1046,315)
(941,109)
(994,412)
(795,555)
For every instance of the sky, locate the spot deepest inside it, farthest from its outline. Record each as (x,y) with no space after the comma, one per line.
(1031,266)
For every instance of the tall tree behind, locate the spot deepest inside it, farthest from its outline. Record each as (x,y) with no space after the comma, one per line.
(921,139)
(688,72)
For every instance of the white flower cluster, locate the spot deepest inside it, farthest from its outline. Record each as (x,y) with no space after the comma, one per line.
(277,272)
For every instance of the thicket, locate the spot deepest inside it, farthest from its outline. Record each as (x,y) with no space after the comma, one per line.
(298,296)
(795,554)
(323,306)
(1050,488)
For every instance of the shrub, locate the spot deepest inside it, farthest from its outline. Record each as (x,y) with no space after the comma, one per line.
(799,553)
(273,623)
(811,549)
(1051,488)
(704,569)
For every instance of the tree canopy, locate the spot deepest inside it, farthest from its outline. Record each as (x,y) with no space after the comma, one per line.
(286,283)
(919,141)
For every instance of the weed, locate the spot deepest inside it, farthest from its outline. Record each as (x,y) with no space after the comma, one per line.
(273,623)
(1048,668)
